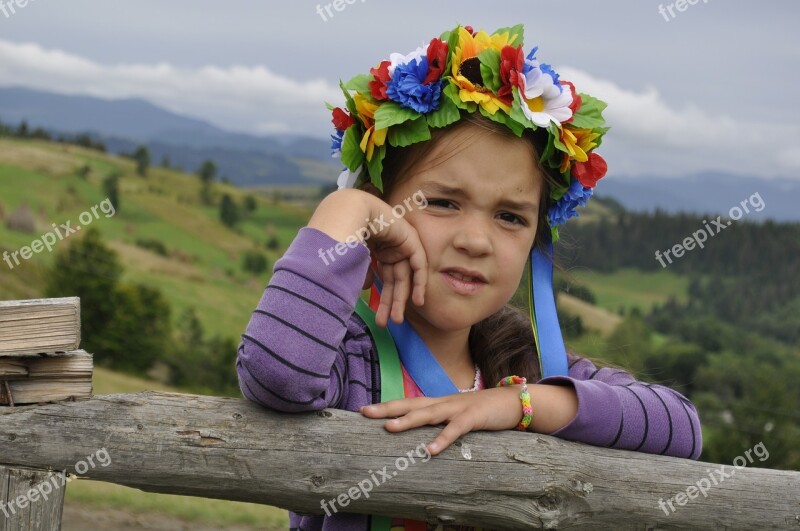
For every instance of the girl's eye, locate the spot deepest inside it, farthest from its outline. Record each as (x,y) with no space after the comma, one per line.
(515,219)
(439,202)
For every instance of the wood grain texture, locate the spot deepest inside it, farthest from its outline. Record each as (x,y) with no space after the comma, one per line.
(42,511)
(233,449)
(35,326)
(46,378)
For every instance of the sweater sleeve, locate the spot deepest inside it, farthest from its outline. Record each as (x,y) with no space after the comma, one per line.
(291,357)
(617,411)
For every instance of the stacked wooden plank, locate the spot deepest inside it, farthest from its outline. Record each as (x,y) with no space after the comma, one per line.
(39,356)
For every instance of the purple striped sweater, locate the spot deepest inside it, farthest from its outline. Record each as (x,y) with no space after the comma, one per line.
(305,349)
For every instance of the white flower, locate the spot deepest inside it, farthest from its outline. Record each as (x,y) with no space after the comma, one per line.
(347,179)
(543,100)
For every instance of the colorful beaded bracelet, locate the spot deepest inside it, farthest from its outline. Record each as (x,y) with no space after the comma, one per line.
(525,397)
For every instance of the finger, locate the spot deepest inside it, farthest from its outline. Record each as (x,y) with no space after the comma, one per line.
(387,292)
(419,265)
(447,436)
(395,408)
(402,271)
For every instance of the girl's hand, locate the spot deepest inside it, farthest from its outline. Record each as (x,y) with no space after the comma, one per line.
(494,409)
(402,261)
(359,215)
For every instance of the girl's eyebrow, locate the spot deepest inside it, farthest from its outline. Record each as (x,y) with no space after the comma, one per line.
(440,188)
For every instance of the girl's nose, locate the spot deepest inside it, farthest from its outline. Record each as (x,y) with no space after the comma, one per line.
(473,237)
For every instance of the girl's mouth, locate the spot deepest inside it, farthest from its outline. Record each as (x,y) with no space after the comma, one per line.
(463,286)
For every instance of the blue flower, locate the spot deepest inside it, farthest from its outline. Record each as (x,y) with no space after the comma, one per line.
(407,88)
(564,208)
(336,144)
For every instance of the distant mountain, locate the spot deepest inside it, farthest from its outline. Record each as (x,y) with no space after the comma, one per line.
(124,124)
(708,193)
(249,160)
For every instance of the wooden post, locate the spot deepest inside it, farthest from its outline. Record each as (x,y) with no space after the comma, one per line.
(30,499)
(39,362)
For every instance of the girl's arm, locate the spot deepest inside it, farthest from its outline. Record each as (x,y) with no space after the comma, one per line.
(617,411)
(291,357)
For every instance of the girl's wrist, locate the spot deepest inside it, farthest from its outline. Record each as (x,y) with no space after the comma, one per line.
(342,213)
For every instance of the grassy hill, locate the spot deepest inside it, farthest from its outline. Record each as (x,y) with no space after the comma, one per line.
(203,267)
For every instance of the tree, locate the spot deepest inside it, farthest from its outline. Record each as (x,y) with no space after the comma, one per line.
(250,204)
(111,189)
(254,262)
(228,211)
(207,173)
(89,270)
(124,326)
(142,158)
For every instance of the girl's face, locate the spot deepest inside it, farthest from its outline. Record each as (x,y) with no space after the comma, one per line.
(481,216)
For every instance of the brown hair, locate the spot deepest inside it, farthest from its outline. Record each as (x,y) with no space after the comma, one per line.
(503,343)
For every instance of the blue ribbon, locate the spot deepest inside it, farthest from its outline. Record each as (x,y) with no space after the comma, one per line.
(428,374)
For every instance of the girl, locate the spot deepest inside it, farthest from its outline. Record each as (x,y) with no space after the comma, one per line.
(462,158)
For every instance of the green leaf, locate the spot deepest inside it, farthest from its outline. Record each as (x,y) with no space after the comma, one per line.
(451,91)
(446,114)
(518,114)
(360,83)
(329,106)
(409,133)
(351,104)
(452,42)
(516,34)
(490,69)
(352,156)
(392,113)
(554,132)
(375,166)
(502,118)
(590,114)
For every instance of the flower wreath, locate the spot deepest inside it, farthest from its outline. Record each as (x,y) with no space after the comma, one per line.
(402,98)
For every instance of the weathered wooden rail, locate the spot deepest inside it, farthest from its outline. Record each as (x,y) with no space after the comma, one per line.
(233,449)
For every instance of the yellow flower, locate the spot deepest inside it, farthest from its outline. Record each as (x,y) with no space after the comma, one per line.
(372,137)
(465,63)
(578,143)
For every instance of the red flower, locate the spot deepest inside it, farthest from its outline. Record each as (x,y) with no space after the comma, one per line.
(577,101)
(378,87)
(591,171)
(437,57)
(341,119)
(511,64)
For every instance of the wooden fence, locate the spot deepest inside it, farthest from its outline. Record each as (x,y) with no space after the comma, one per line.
(336,460)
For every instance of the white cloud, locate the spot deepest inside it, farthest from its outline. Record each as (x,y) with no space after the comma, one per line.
(243,98)
(648,135)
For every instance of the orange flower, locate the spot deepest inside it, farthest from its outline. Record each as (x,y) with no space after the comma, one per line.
(372,137)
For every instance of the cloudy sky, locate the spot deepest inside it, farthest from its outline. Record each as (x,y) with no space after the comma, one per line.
(711,88)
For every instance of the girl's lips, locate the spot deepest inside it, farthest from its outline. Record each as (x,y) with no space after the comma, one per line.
(463,287)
